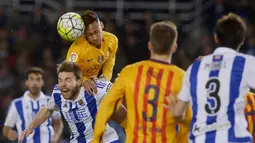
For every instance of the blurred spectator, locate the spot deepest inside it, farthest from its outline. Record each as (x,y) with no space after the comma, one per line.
(3,18)
(39,23)
(251,46)
(7,80)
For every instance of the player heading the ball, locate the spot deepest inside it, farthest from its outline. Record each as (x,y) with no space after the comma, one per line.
(93,51)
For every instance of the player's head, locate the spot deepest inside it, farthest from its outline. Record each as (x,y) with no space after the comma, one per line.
(230,31)
(69,79)
(163,38)
(93,28)
(34,80)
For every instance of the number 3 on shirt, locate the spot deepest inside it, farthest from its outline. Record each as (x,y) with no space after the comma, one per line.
(213,94)
(151,102)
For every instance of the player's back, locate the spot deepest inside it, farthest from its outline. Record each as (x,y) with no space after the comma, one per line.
(218,84)
(148,83)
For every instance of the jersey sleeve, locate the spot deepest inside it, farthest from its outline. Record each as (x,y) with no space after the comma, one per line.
(56,115)
(184,94)
(110,62)
(51,104)
(250,72)
(103,88)
(12,116)
(108,106)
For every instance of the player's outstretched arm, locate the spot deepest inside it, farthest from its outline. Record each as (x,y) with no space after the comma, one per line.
(176,107)
(40,118)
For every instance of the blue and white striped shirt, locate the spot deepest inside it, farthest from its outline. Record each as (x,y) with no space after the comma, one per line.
(80,113)
(216,86)
(22,112)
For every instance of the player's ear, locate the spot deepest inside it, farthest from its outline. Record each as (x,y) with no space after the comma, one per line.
(26,83)
(102,24)
(149,46)
(174,48)
(79,82)
(216,39)
(42,83)
(242,42)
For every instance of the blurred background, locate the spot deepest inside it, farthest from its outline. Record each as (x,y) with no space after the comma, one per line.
(28,35)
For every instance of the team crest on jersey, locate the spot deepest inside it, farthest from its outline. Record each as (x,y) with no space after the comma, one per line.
(73,57)
(81,102)
(217,57)
(100,59)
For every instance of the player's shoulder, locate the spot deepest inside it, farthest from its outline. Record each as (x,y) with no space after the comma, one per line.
(199,59)
(133,66)
(178,70)
(44,96)
(197,62)
(249,98)
(17,100)
(250,94)
(80,41)
(109,36)
(56,93)
(247,57)
(149,63)
(56,89)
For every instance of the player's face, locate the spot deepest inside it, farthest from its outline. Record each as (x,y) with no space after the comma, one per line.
(34,83)
(94,33)
(69,85)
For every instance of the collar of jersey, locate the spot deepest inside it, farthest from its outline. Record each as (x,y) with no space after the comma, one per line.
(29,98)
(224,50)
(81,93)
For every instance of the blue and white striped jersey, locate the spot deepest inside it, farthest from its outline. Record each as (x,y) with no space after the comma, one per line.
(216,85)
(80,113)
(22,112)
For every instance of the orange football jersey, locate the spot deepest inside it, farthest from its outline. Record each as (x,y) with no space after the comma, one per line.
(145,85)
(250,112)
(92,59)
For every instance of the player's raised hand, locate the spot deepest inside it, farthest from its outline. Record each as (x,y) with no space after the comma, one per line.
(25,134)
(171,101)
(54,140)
(90,86)
(12,135)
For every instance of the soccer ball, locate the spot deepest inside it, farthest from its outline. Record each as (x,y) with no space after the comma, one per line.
(70,26)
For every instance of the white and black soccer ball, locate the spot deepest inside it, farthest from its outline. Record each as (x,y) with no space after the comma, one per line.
(70,26)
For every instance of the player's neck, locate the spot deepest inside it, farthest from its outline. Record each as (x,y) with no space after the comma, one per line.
(98,47)
(164,58)
(33,96)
